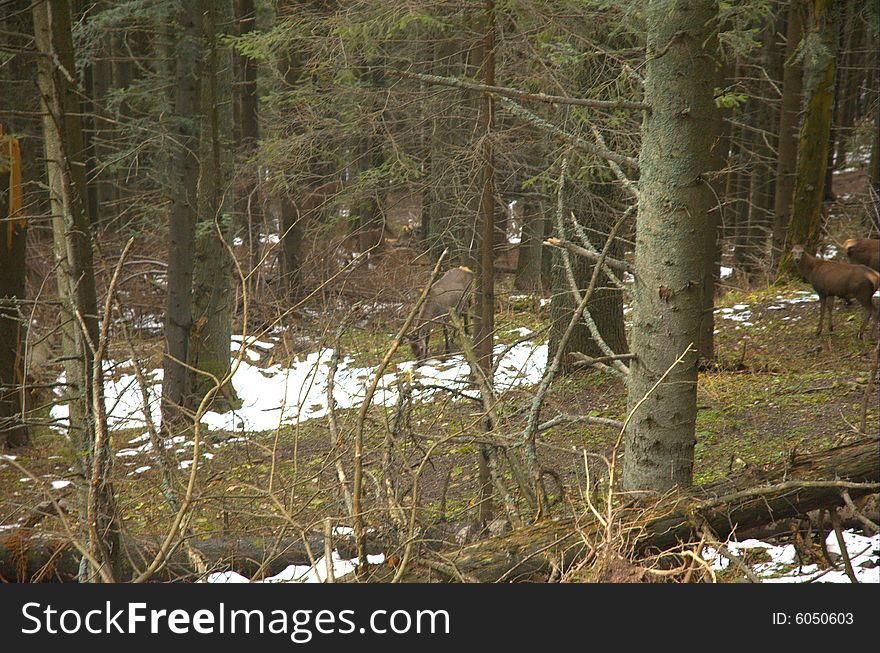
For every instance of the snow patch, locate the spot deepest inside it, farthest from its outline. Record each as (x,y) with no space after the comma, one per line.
(864,554)
(277,395)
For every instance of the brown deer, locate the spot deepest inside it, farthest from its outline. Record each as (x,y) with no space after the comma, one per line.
(831,279)
(451,292)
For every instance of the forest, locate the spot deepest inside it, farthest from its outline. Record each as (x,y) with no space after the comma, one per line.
(420,291)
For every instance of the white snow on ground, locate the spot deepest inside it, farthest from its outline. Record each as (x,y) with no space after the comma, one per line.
(304,573)
(857,160)
(737,313)
(285,395)
(543,301)
(782,566)
(742,312)
(827,253)
(300,573)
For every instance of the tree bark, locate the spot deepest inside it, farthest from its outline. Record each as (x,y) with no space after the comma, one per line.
(674,203)
(182,218)
(712,271)
(248,209)
(484,322)
(528,264)
(815,134)
(28,556)
(760,195)
(441,215)
(850,78)
(789,118)
(63,143)
(13,326)
(211,330)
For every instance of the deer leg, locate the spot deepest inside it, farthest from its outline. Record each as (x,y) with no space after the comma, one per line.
(821,314)
(869,313)
(830,304)
(445,342)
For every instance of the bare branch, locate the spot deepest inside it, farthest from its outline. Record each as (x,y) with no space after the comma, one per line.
(520,95)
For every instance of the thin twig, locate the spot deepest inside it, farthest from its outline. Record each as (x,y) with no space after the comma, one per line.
(838,533)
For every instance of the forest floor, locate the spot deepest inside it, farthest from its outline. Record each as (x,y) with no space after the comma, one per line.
(777,389)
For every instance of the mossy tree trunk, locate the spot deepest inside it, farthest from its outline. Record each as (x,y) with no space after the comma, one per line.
(72,238)
(815,135)
(674,206)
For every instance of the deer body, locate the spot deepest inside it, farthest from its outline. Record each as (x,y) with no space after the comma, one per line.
(832,279)
(450,292)
(864,251)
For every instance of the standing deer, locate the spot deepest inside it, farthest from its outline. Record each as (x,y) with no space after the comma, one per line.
(451,292)
(831,279)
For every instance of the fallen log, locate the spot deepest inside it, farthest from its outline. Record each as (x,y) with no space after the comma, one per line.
(748,500)
(32,556)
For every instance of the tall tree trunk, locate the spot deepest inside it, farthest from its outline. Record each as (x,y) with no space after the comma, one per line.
(440,208)
(484,323)
(101,186)
(182,217)
(757,235)
(528,264)
(673,214)
(291,246)
(761,193)
(873,84)
(65,163)
(742,253)
(248,207)
(369,222)
(850,78)
(792,83)
(13,238)
(211,330)
(875,146)
(815,135)
(712,271)
(121,71)
(292,216)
